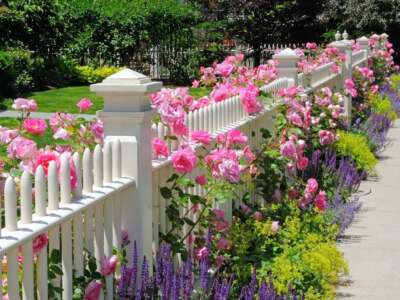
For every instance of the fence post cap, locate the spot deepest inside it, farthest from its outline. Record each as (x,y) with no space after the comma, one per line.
(337,36)
(127,80)
(341,45)
(362,39)
(286,54)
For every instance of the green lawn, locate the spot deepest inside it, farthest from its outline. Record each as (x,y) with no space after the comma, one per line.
(63,99)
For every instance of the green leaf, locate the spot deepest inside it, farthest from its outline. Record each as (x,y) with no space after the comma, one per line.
(166,192)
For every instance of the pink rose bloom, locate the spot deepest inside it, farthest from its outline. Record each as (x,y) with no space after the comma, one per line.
(220,93)
(171,114)
(184,160)
(7,135)
(35,126)
(179,128)
(311,46)
(72,169)
(24,104)
(219,213)
(350,88)
(202,137)
(220,139)
(44,157)
(97,129)
(224,69)
(201,179)
(108,265)
(320,201)
(195,83)
(302,163)
(230,170)
(84,104)
(160,147)
(374,89)
(248,98)
(92,291)
(248,154)
(39,243)
(235,136)
(202,253)
(223,244)
(258,216)
(335,68)
(288,149)
(22,148)
(275,226)
(61,134)
(295,119)
(245,208)
(312,185)
(326,137)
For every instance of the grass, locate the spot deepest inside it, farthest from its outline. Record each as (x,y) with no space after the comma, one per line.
(63,99)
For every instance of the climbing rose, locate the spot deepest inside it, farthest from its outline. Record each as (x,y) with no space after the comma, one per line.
(219,213)
(302,163)
(201,136)
(39,243)
(320,201)
(230,170)
(248,98)
(84,104)
(222,244)
(288,149)
(234,136)
(160,147)
(97,129)
(7,135)
(108,265)
(92,291)
(224,69)
(35,126)
(311,46)
(257,216)
(184,160)
(24,104)
(201,179)
(61,134)
(179,128)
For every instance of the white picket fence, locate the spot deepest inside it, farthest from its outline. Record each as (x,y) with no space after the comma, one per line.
(118,184)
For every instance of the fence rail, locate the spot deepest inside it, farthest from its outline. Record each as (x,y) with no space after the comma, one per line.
(118,184)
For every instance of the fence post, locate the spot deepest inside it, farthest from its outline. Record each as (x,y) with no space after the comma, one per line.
(127,114)
(287,65)
(363,42)
(345,46)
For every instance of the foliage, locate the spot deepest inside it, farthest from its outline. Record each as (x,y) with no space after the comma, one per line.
(88,74)
(380,104)
(356,146)
(395,80)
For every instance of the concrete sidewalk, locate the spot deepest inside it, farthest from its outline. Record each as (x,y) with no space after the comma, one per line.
(42,115)
(372,243)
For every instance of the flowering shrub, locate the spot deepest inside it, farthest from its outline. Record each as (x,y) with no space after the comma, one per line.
(66,132)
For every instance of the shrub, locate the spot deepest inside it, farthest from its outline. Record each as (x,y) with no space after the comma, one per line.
(395,80)
(88,74)
(356,146)
(381,105)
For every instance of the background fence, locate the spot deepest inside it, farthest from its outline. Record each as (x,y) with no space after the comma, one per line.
(118,184)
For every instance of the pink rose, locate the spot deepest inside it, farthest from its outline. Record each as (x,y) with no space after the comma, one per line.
(195,83)
(160,147)
(184,160)
(35,126)
(201,136)
(312,185)
(24,104)
(311,46)
(235,136)
(84,104)
(124,238)
(224,69)
(97,129)
(219,213)
(320,201)
(288,149)
(201,179)
(7,135)
(230,170)
(62,134)
(92,291)
(248,154)
(22,148)
(179,128)
(108,265)
(326,137)
(295,119)
(39,243)
(44,157)
(248,98)
(302,163)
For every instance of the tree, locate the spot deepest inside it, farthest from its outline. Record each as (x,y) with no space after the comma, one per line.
(257,22)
